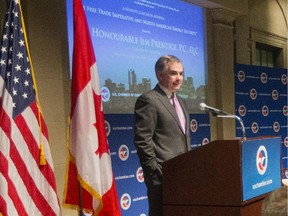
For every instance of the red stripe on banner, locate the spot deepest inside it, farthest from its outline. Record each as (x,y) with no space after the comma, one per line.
(5,120)
(3,207)
(32,189)
(34,150)
(46,170)
(28,137)
(21,167)
(12,192)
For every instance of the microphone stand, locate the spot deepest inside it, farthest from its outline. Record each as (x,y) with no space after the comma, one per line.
(227,115)
(222,114)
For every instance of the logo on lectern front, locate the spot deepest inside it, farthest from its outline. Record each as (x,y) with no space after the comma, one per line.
(261,160)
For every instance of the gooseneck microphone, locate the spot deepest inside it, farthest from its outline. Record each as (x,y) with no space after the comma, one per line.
(213,110)
(222,114)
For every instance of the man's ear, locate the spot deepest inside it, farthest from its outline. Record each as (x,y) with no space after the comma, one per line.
(159,75)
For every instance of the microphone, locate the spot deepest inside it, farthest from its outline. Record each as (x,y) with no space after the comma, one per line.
(214,111)
(219,113)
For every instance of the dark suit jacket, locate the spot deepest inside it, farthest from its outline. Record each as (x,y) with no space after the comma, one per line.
(158,133)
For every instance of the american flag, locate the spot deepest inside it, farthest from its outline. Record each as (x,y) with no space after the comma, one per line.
(27,184)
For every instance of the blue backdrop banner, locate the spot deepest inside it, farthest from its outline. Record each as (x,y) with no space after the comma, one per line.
(261,102)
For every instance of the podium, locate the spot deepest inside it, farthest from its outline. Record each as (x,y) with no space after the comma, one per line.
(222,178)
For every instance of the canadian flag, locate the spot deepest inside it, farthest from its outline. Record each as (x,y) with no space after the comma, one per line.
(90,185)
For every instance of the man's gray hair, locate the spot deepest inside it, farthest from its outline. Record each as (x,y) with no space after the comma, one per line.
(161,64)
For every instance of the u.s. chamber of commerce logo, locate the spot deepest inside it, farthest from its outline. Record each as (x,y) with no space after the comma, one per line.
(263,78)
(123,152)
(261,160)
(242,110)
(253,94)
(205,141)
(275,94)
(284,110)
(286,141)
(241,76)
(254,127)
(125,201)
(139,175)
(284,79)
(105,94)
(265,111)
(107,128)
(193,125)
(276,127)
(286,173)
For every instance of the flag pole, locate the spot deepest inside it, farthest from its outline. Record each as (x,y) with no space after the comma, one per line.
(80,199)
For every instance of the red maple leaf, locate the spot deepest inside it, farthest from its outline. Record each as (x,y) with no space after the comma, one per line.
(100,127)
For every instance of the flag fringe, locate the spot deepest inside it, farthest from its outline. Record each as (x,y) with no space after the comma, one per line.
(42,155)
(67,165)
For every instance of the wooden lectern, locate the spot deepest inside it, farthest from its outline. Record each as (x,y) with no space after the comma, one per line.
(207,181)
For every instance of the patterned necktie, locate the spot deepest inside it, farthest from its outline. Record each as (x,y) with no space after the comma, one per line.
(179,112)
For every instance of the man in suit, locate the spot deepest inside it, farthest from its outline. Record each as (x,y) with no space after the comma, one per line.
(159,135)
